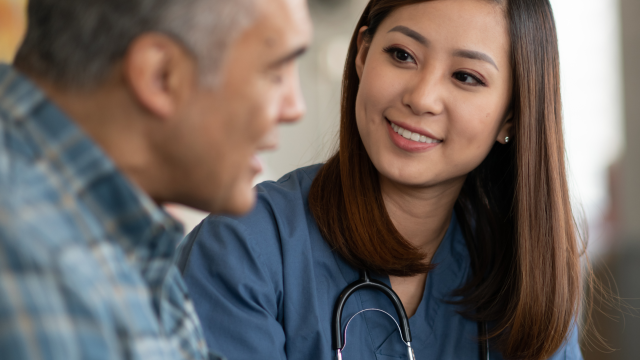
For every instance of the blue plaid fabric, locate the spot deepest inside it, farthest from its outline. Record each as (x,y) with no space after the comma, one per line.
(85,257)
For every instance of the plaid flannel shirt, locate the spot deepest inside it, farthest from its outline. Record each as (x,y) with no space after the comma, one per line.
(85,257)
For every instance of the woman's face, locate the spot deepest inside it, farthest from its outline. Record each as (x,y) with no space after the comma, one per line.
(435,86)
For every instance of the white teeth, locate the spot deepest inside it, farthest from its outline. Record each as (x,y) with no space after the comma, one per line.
(413,136)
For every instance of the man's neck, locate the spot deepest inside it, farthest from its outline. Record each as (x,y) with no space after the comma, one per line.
(114,122)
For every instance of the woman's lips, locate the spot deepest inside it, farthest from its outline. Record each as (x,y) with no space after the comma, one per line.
(419,143)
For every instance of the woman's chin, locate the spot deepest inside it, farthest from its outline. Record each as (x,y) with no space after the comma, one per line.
(405,176)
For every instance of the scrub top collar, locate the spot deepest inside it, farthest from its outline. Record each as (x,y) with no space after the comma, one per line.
(451,258)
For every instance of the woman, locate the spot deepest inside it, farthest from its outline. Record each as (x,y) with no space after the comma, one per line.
(449,185)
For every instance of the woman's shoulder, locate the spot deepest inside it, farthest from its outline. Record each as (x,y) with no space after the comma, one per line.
(278,202)
(284,200)
(292,185)
(280,214)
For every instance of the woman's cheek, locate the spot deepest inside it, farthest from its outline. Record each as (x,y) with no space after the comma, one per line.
(383,82)
(474,136)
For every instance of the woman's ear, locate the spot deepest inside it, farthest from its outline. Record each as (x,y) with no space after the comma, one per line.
(363,49)
(505,134)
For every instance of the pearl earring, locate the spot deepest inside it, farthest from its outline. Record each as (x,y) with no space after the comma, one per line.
(506,139)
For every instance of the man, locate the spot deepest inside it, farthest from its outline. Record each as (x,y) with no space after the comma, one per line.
(112,108)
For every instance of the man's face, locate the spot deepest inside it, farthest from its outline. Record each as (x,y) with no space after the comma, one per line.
(227,125)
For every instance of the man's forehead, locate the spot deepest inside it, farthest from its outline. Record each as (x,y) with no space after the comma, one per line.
(283,23)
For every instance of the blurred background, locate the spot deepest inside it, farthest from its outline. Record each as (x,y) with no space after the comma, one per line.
(600,64)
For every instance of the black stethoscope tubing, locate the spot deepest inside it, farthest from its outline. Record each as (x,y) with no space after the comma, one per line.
(365,282)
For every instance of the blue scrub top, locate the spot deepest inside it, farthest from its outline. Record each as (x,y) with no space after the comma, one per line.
(265,284)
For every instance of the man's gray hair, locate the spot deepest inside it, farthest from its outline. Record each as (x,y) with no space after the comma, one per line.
(75,43)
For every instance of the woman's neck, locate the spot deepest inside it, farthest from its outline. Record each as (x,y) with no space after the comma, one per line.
(421,214)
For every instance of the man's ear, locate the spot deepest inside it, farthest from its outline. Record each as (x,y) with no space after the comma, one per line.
(363,50)
(506,129)
(160,73)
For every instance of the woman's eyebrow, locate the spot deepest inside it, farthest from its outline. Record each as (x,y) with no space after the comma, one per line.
(411,33)
(469,54)
(475,55)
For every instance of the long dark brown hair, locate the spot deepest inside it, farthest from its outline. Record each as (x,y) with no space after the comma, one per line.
(514,208)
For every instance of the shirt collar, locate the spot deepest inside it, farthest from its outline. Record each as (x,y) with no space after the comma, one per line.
(451,257)
(451,262)
(17,95)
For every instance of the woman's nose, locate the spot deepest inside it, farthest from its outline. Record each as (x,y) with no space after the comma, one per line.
(424,95)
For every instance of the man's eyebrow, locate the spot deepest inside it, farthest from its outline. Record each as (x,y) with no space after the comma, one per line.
(289,57)
(411,33)
(475,55)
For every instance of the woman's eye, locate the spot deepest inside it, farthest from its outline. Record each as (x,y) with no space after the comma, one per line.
(467,78)
(399,54)
(403,56)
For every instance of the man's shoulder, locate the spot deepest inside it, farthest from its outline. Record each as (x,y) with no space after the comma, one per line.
(42,213)
(36,226)
(290,187)
(34,198)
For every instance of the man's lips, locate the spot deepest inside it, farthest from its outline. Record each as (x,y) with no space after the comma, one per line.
(256,164)
(267,147)
(269,141)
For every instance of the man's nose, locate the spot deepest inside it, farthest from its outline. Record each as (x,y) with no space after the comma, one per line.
(293,105)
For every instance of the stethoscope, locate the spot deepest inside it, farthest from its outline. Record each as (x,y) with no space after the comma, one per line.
(365,282)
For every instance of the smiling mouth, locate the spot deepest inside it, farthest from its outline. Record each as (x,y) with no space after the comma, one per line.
(413,136)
